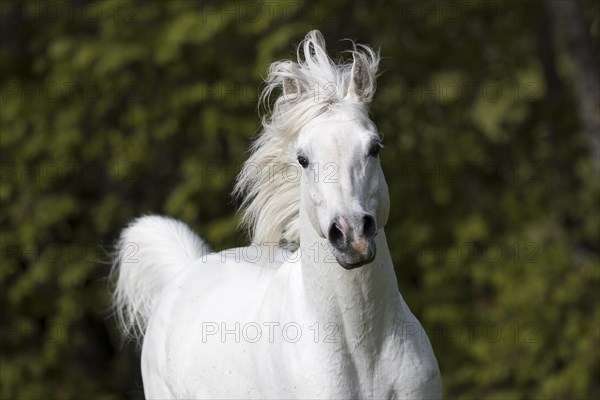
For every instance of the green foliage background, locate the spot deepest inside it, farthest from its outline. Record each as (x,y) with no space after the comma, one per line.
(114,109)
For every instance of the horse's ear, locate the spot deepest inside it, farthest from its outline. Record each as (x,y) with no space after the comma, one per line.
(362,82)
(291,89)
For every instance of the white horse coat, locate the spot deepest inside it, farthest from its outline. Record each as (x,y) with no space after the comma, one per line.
(319,317)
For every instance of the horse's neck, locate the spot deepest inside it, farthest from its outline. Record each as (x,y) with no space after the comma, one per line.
(356,300)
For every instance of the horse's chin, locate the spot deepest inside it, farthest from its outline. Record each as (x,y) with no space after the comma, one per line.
(353,262)
(356,265)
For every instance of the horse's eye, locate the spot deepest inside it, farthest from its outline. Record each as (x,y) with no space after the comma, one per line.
(375,149)
(303,161)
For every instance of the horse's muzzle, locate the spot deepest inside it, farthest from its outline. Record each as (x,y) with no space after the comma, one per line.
(353,240)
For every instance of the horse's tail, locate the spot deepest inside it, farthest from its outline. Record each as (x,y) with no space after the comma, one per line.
(151,251)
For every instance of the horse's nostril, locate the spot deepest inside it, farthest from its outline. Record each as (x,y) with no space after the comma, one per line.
(336,236)
(369,228)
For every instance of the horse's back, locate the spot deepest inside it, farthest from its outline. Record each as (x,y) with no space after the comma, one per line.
(200,321)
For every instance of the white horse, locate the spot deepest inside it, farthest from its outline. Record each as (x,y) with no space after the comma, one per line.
(313,310)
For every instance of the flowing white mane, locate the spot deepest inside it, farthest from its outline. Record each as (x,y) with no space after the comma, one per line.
(269,183)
